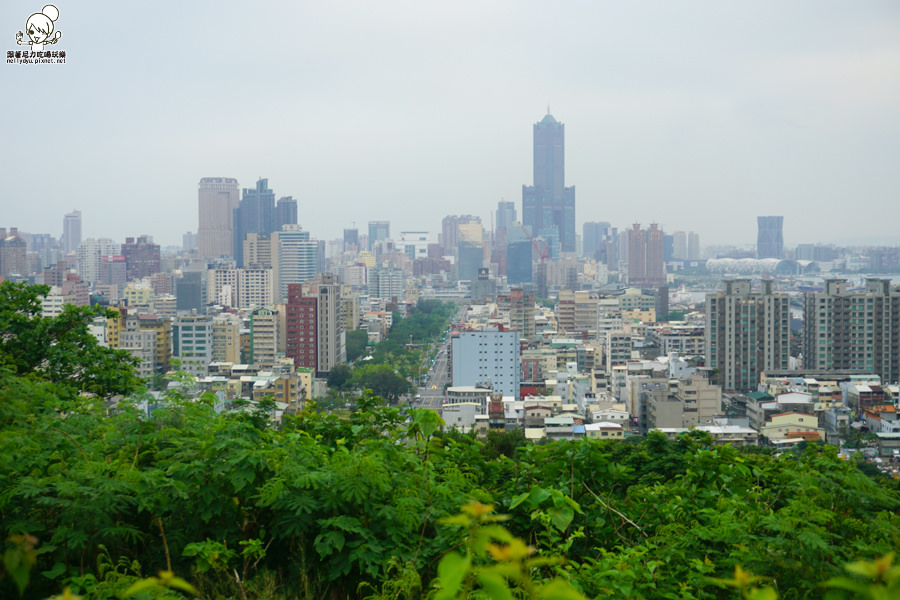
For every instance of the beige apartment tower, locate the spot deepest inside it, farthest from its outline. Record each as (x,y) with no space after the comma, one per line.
(217,199)
(747,332)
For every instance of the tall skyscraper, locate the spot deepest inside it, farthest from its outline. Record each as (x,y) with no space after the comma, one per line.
(351,240)
(679,245)
(285,213)
(747,332)
(548,206)
(71,231)
(506,214)
(297,258)
(853,329)
(378,230)
(656,264)
(217,197)
(519,256)
(330,331)
(693,247)
(594,235)
(637,258)
(646,256)
(255,214)
(769,239)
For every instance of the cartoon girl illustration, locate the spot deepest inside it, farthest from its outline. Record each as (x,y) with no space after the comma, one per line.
(40,29)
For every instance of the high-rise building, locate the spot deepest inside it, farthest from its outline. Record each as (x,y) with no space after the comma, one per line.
(506,218)
(258,251)
(89,255)
(448,234)
(637,257)
(254,214)
(656,264)
(71,231)
(769,239)
(297,257)
(594,236)
(217,197)
(141,257)
(386,283)
(240,288)
(113,272)
(264,336)
(679,245)
(747,332)
(192,343)
(351,240)
(285,213)
(548,207)
(519,261)
(301,327)
(853,329)
(693,252)
(487,356)
(414,244)
(470,260)
(506,214)
(330,332)
(190,241)
(519,305)
(378,231)
(12,253)
(646,256)
(226,339)
(190,291)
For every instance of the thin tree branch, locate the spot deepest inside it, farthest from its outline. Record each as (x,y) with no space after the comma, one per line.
(607,505)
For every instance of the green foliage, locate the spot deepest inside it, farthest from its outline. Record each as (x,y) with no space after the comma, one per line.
(352,505)
(339,376)
(355,342)
(875,580)
(497,563)
(59,349)
(382,379)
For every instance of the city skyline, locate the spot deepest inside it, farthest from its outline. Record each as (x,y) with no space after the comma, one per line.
(686,115)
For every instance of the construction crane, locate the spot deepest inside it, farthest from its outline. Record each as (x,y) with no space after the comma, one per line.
(541,252)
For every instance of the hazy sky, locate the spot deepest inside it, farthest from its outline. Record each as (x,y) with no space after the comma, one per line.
(697,115)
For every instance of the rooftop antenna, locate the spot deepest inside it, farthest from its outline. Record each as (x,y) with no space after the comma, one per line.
(548,109)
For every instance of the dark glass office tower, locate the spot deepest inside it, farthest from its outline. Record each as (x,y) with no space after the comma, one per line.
(549,205)
(255,214)
(769,240)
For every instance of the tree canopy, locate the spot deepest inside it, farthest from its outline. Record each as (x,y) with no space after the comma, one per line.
(60,349)
(382,503)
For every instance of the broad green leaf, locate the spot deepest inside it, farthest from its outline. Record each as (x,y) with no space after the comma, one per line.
(559,589)
(561,517)
(452,570)
(57,570)
(144,585)
(494,584)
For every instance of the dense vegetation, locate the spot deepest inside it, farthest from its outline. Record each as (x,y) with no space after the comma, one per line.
(382,504)
(399,358)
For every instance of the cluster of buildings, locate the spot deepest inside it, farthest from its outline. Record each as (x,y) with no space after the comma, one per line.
(578,324)
(599,364)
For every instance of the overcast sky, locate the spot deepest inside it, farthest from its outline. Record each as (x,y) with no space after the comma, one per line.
(697,115)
